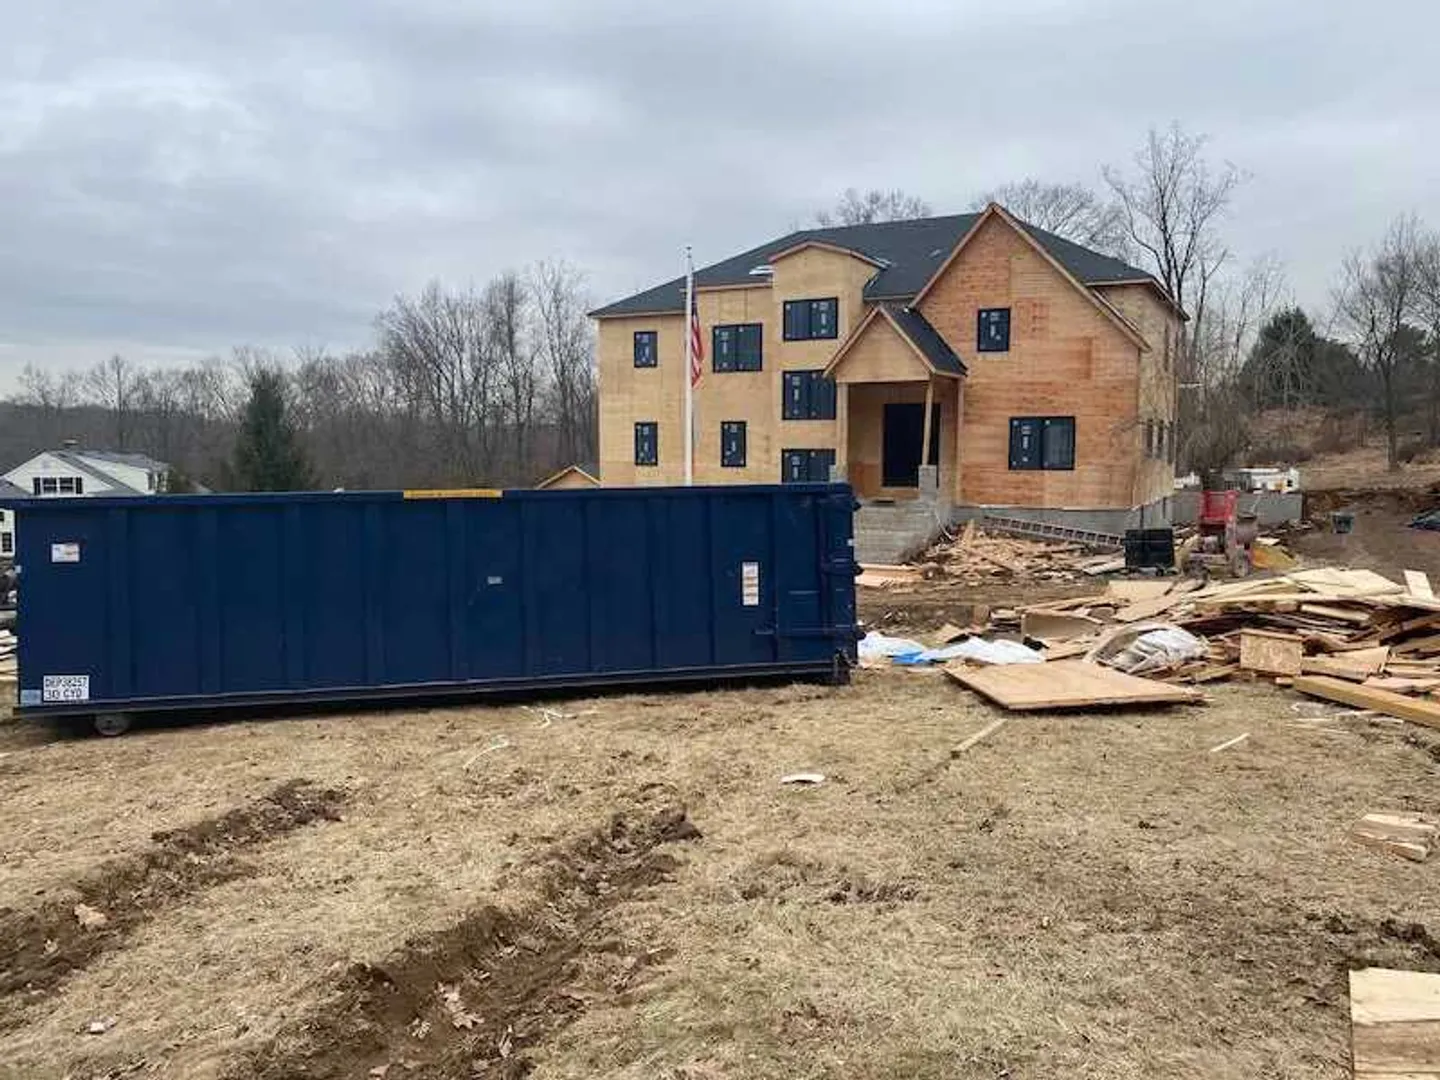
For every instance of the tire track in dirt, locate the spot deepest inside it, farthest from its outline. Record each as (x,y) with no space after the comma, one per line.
(40,948)
(468,1000)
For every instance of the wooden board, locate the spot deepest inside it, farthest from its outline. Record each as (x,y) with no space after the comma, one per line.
(1417,584)
(1402,685)
(1352,582)
(1065,684)
(1148,609)
(1139,589)
(1415,710)
(1053,626)
(1395,1024)
(1271,653)
(1405,834)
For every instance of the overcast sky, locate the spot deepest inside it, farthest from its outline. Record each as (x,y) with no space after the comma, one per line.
(180,176)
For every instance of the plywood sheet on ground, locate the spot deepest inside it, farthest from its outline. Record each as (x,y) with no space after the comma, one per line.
(1065,684)
(1271,653)
(1395,1024)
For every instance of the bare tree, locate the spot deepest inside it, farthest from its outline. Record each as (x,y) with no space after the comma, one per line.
(864,208)
(1073,211)
(1172,201)
(438,349)
(1427,313)
(49,390)
(567,348)
(1378,292)
(113,385)
(507,303)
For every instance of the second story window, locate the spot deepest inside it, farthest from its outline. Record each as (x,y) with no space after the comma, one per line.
(737,347)
(993,332)
(808,395)
(810,320)
(647,352)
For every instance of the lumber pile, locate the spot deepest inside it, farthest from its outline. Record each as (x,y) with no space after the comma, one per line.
(977,557)
(1342,624)
(8,645)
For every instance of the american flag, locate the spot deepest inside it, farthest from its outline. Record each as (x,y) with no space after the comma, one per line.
(697,350)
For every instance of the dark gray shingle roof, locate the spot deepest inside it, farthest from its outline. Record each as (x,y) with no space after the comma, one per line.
(909,253)
(926,338)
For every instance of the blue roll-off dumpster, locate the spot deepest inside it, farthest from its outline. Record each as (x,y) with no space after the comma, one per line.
(133,605)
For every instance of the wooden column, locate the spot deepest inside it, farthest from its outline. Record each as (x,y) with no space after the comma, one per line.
(929,408)
(842,428)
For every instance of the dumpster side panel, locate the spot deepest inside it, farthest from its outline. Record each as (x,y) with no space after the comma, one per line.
(187,601)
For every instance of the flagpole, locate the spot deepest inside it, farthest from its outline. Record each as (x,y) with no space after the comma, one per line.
(689,365)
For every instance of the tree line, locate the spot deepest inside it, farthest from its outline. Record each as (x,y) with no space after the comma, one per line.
(476,386)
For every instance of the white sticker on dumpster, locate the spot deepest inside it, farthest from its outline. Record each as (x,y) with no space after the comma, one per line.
(65,552)
(750,584)
(65,688)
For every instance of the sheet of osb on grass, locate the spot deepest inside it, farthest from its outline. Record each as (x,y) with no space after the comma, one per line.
(622,886)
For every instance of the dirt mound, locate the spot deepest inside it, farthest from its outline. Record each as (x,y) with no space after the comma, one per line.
(39,948)
(469,999)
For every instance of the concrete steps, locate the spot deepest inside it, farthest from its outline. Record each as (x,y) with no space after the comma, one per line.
(893,532)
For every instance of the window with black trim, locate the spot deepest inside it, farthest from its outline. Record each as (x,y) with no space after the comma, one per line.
(806,466)
(647,348)
(1042,442)
(7,543)
(812,320)
(647,443)
(1149,438)
(993,330)
(807,395)
(732,444)
(737,347)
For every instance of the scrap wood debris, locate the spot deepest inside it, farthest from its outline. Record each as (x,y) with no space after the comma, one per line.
(1408,835)
(1349,636)
(976,556)
(1394,1024)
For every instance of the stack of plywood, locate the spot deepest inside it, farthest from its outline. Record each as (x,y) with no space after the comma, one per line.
(7,654)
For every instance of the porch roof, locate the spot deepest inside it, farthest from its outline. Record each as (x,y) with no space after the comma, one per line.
(923,340)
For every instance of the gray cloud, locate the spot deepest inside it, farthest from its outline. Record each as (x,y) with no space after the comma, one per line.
(178,176)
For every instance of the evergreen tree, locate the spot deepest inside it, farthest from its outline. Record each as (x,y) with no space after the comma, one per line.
(268,454)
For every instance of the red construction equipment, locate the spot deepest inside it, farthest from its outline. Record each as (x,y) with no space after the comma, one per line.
(1225,535)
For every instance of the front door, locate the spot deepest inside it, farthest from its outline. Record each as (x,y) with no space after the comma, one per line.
(904,428)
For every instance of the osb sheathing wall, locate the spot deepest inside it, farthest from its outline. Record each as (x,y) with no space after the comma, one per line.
(1066,358)
(1160,325)
(628,394)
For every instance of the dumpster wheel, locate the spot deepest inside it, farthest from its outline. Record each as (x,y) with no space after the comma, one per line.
(111,724)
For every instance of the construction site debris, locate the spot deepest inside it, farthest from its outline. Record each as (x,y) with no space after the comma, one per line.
(1408,835)
(1417,710)
(1394,1024)
(1065,684)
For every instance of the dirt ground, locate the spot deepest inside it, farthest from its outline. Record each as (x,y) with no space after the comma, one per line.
(621,887)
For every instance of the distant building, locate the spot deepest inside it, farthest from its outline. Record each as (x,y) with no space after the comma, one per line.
(572,476)
(73,471)
(7,522)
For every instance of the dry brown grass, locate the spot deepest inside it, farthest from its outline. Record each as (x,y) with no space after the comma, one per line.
(1076,895)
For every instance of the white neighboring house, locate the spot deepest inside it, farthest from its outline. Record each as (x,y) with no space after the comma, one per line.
(88,472)
(7,523)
